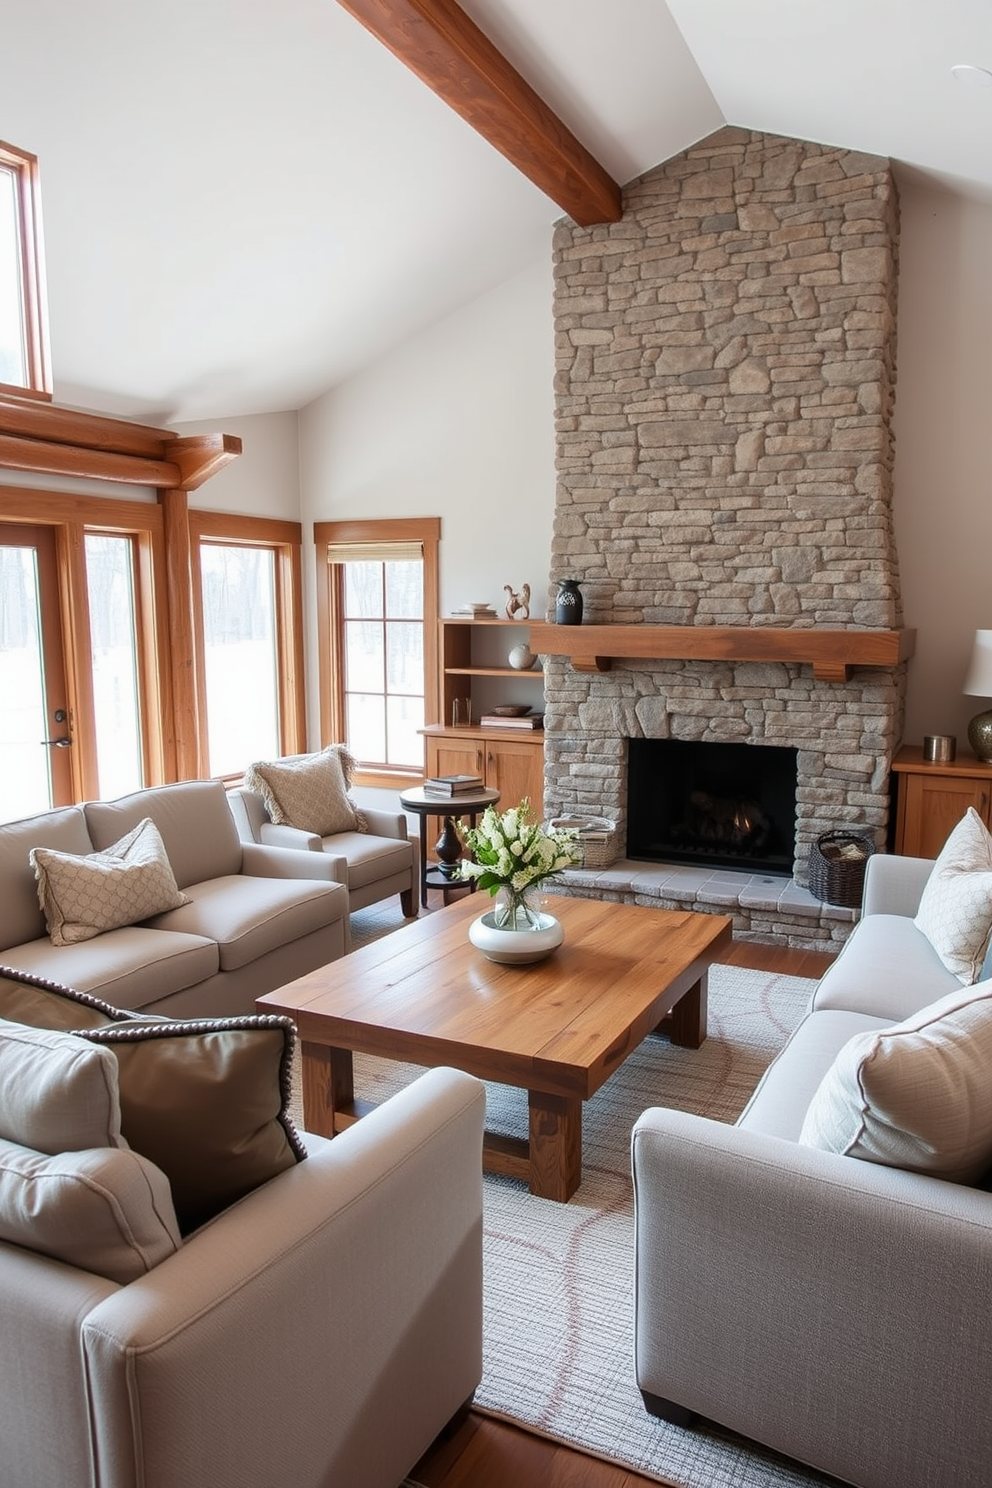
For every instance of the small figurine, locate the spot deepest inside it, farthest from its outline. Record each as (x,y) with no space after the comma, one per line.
(518,605)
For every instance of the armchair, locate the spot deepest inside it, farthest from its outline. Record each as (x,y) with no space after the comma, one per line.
(320,1331)
(372,865)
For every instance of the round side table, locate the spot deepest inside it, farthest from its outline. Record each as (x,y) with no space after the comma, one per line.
(439,875)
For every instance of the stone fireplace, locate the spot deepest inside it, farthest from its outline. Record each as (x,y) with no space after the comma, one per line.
(725,361)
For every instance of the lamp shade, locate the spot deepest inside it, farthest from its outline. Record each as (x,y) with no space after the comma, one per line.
(978,682)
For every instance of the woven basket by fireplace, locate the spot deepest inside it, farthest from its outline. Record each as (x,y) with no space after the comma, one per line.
(599,838)
(837,863)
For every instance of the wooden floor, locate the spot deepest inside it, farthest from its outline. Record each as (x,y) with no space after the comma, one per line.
(482,1453)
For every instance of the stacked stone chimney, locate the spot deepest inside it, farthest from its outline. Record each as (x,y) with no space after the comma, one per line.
(725,382)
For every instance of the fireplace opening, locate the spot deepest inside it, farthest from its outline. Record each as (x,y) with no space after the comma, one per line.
(718,805)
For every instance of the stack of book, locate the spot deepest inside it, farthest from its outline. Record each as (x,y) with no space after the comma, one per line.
(500,720)
(452,785)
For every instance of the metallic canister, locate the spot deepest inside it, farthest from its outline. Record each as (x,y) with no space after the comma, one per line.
(939,748)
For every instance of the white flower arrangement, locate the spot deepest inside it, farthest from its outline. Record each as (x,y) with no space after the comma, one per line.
(510,852)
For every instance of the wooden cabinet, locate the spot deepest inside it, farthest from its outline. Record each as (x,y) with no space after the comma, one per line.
(511,764)
(932,798)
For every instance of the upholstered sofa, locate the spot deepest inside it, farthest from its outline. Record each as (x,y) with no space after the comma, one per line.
(318,1323)
(256,917)
(832,1308)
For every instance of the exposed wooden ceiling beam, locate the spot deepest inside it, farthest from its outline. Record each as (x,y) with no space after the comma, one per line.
(447,51)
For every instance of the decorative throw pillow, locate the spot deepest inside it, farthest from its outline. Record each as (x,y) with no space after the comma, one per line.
(309,791)
(40,1003)
(207,1102)
(916,1095)
(105,1210)
(57,1093)
(83,896)
(955,912)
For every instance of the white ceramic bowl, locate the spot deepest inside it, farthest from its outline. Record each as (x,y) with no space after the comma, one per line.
(515,947)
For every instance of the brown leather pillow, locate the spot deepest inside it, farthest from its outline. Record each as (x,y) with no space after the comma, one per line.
(205,1100)
(40,1003)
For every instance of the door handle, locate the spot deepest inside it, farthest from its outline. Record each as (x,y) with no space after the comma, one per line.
(58,743)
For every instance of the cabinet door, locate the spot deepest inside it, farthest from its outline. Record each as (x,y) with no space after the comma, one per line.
(515,768)
(934,806)
(456,757)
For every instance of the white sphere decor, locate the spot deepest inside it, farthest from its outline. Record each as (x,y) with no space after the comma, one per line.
(515,947)
(522,658)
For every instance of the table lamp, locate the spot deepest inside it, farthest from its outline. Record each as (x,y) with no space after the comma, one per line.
(978,683)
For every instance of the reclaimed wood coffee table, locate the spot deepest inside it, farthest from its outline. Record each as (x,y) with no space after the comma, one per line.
(558,1029)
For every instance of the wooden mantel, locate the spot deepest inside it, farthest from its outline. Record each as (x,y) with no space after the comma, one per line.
(833,654)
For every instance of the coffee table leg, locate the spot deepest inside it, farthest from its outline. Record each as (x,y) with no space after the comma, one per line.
(688,1026)
(555,1149)
(328,1077)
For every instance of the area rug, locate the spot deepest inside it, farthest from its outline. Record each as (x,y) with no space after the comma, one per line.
(558,1332)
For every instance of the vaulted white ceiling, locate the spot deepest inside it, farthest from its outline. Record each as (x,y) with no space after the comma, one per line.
(247,201)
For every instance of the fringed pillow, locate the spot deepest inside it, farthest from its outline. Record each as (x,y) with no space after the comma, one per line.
(309,791)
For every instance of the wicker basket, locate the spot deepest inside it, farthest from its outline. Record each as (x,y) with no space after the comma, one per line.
(837,862)
(599,838)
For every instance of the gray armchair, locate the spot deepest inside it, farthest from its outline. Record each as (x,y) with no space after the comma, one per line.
(372,865)
(322,1330)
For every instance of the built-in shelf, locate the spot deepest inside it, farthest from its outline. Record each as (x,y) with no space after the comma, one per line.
(832,654)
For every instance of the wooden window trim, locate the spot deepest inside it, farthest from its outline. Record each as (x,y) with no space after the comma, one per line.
(426,531)
(285,540)
(32,257)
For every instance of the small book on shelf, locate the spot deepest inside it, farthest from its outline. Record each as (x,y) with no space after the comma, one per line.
(452,785)
(500,720)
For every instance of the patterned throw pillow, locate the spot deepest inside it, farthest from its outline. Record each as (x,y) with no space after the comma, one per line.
(309,791)
(916,1095)
(83,896)
(955,912)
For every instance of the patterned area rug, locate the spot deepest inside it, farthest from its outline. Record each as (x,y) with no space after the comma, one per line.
(558,1342)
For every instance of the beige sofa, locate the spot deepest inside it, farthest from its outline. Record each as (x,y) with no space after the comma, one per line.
(258,917)
(834,1309)
(320,1331)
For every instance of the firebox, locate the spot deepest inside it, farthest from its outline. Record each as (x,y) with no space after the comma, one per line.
(712,804)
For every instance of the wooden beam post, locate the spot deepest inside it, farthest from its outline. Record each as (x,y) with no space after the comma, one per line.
(447,51)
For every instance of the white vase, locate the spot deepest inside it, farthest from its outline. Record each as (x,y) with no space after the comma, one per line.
(515,947)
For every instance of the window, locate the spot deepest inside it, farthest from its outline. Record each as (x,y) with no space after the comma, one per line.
(249,629)
(35,764)
(115,662)
(377,595)
(24,362)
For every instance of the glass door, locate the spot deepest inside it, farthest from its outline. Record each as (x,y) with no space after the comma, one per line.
(35,742)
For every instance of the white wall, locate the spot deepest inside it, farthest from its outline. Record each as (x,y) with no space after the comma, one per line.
(943,471)
(264,480)
(458,423)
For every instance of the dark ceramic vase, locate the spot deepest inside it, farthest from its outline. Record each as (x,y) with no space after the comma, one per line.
(448,848)
(568,605)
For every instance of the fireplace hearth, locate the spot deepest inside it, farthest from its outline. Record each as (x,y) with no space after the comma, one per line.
(718,805)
